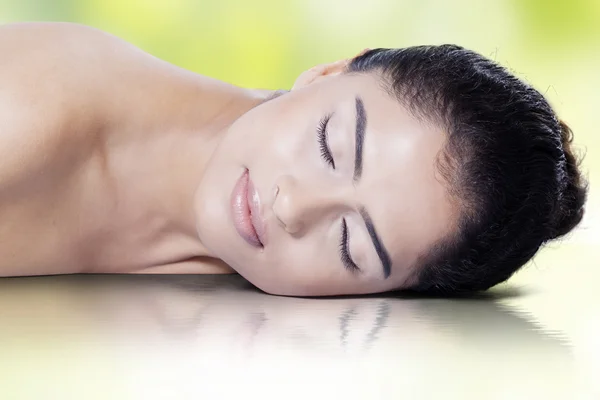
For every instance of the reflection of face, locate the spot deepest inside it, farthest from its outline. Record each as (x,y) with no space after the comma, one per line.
(305,202)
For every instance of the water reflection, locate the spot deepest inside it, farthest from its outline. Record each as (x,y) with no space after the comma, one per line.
(178,329)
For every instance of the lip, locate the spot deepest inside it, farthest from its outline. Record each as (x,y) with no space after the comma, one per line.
(245,211)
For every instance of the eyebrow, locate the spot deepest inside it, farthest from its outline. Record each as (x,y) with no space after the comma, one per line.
(379,247)
(361,125)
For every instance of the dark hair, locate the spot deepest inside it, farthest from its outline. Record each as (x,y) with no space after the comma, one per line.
(507,162)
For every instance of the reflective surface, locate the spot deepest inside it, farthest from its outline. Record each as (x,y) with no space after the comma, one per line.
(211,337)
(115,337)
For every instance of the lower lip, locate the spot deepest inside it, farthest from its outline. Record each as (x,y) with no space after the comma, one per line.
(242,216)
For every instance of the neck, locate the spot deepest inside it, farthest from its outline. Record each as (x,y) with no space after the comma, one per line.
(164,151)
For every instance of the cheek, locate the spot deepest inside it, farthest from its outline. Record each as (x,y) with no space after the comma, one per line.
(285,140)
(278,132)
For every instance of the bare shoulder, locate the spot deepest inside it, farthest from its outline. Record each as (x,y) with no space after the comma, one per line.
(41,37)
(51,101)
(38,51)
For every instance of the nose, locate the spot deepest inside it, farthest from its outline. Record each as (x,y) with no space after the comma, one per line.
(300,204)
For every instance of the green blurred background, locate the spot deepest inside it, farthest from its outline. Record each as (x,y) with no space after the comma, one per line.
(555,45)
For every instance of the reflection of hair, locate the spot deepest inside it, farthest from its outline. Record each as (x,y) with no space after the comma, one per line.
(508,159)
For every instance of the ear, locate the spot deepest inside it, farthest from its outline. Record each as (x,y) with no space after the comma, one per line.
(322,71)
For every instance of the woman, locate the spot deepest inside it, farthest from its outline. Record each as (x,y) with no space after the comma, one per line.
(427,168)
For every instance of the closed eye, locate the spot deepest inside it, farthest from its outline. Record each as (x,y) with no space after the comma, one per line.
(323,142)
(344,250)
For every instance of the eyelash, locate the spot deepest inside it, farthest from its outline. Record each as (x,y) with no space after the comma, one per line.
(323,145)
(343,248)
(327,156)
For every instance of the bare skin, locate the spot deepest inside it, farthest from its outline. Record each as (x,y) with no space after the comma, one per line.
(112,161)
(86,122)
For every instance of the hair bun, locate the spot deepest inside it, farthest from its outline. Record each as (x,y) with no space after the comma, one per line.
(571,199)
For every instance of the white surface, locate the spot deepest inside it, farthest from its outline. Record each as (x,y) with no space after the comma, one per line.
(206,337)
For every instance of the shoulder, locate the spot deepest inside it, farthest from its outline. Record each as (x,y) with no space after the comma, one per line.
(48,95)
(41,37)
(53,58)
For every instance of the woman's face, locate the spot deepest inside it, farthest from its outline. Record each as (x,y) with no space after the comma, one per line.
(342,191)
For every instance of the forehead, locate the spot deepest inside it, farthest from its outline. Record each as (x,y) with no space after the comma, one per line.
(401,186)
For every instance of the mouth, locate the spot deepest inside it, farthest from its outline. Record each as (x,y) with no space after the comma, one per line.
(245,209)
